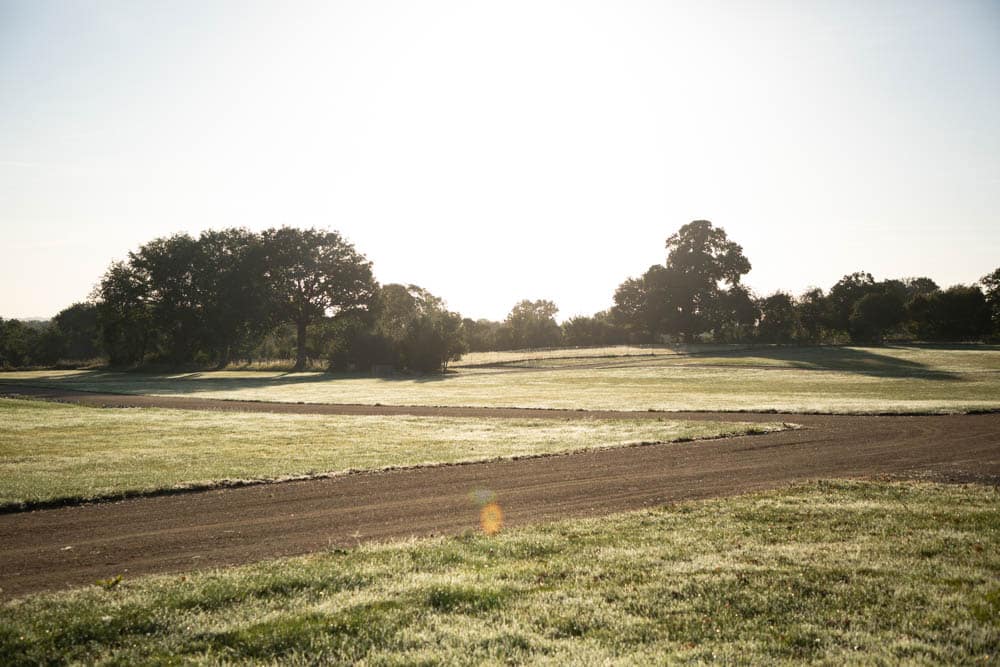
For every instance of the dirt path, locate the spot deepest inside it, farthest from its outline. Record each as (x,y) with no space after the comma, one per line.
(233,526)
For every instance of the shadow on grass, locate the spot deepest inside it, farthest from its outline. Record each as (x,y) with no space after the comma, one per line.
(863,361)
(869,361)
(179,384)
(872,361)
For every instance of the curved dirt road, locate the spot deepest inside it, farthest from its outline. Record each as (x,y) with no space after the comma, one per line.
(232,526)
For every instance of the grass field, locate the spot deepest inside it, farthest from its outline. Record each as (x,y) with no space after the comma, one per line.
(818,379)
(829,572)
(589,353)
(51,451)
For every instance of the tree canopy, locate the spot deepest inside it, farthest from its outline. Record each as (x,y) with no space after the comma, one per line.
(313,274)
(308,294)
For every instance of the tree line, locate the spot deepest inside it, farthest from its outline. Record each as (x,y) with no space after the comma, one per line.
(306,294)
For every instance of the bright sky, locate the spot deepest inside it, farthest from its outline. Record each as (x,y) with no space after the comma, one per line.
(497,151)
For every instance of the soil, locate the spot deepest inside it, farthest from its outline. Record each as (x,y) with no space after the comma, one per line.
(71,546)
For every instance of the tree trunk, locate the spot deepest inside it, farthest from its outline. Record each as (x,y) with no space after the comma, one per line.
(300,357)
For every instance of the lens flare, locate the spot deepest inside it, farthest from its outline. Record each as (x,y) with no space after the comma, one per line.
(491,518)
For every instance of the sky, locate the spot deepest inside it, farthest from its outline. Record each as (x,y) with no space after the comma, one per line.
(498,151)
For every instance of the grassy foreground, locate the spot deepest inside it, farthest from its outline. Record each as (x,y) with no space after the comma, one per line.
(50,451)
(810,379)
(829,572)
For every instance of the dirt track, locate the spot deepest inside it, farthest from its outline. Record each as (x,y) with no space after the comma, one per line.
(232,526)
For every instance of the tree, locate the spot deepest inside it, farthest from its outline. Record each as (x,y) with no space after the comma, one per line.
(78,325)
(991,290)
(232,292)
(736,315)
(17,342)
(875,314)
(921,285)
(779,322)
(124,314)
(958,313)
(598,329)
(397,306)
(480,335)
(169,268)
(425,334)
(843,295)
(700,259)
(533,324)
(432,340)
(813,314)
(314,274)
(642,305)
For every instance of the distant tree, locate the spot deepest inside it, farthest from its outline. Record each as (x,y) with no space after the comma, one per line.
(124,314)
(17,342)
(921,285)
(700,259)
(959,313)
(875,314)
(598,329)
(779,322)
(432,340)
(991,290)
(698,290)
(314,274)
(813,314)
(397,306)
(844,295)
(480,335)
(642,305)
(425,334)
(48,346)
(79,329)
(737,314)
(533,324)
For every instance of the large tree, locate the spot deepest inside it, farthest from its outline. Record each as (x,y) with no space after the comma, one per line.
(700,260)
(314,274)
(234,296)
(169,267)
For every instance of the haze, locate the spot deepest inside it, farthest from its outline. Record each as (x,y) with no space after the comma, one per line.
(492,152)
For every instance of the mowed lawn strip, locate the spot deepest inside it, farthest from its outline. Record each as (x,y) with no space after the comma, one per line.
(810,379)
(829,572)
(51,451)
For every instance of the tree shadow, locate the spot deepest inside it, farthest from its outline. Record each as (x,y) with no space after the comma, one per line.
(196,382)
(863,361)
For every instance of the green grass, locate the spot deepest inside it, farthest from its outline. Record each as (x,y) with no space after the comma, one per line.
(587,353)
(50,451)
(818,379)
(828,573)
